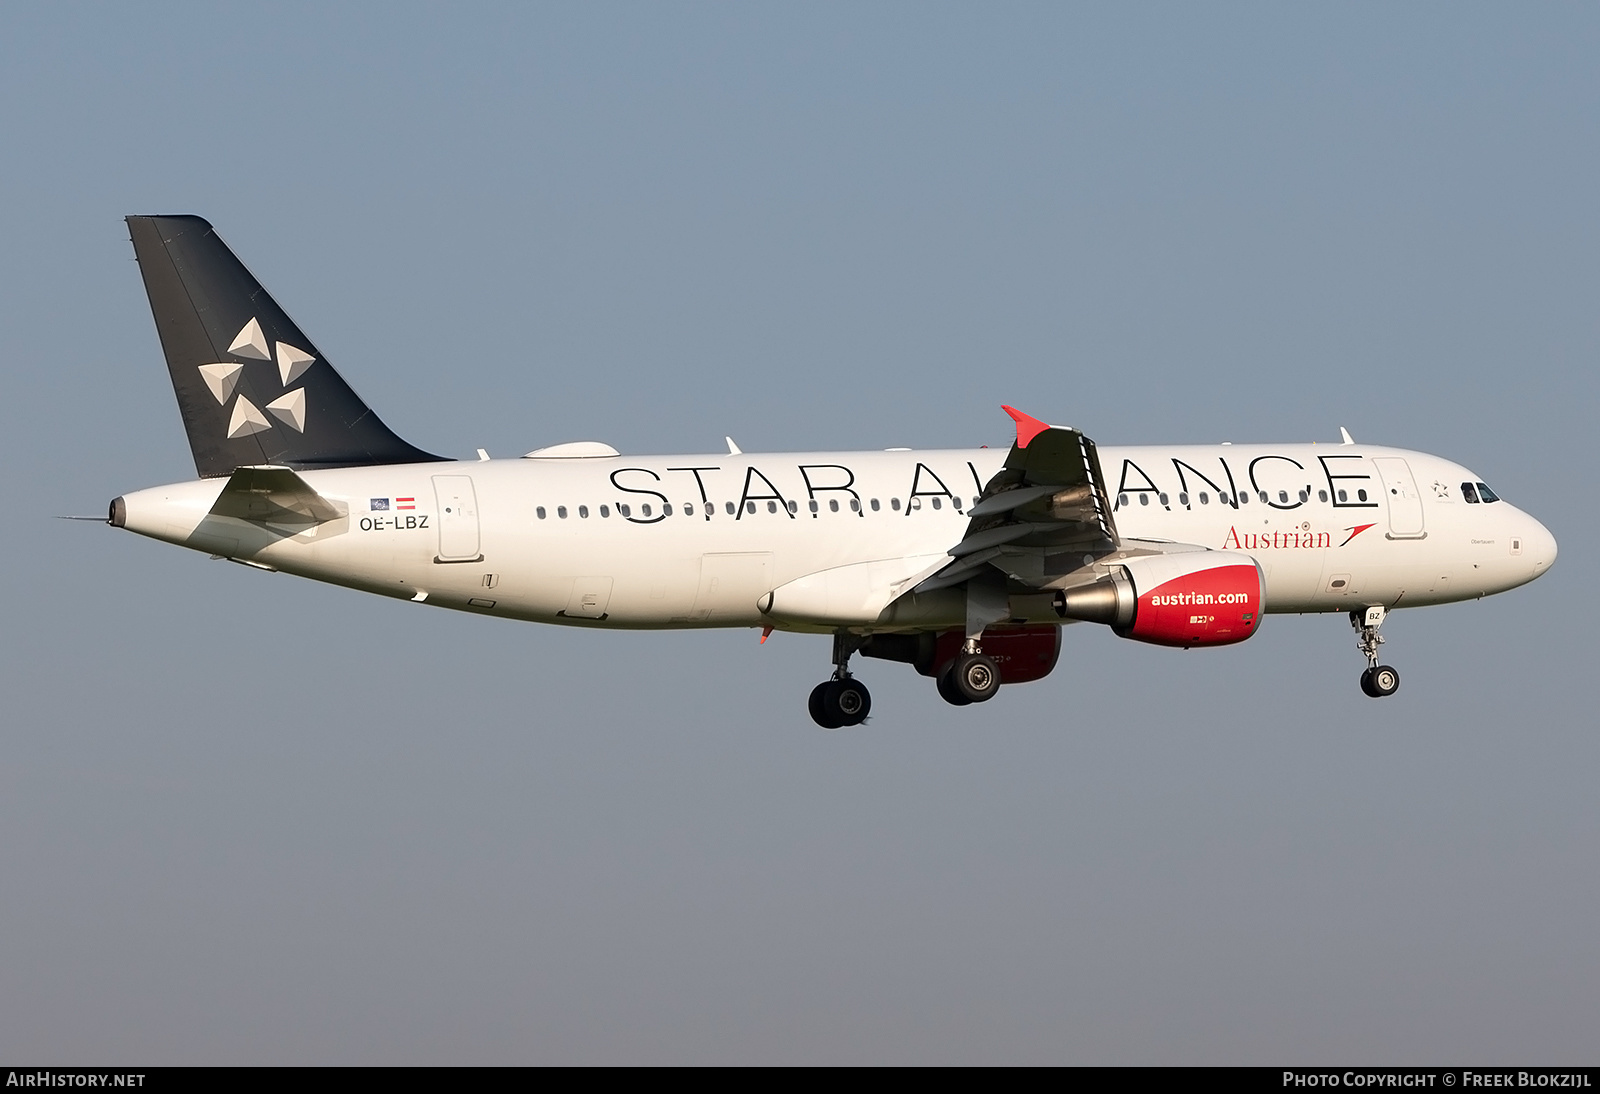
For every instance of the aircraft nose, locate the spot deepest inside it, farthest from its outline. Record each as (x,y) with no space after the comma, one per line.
(1540,546)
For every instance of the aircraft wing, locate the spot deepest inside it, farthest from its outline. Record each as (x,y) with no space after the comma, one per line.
(1044,515)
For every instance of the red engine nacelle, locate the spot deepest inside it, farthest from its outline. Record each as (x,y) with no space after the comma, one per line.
(1199,598)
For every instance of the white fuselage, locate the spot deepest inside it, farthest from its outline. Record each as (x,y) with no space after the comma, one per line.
(695,541)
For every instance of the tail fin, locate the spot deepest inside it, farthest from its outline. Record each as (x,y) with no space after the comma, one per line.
(252,389)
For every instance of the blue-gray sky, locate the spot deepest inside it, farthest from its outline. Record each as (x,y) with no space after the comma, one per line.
(247,818)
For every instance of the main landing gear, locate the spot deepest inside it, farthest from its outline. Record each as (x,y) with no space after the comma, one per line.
(1379,680)
(970,678)
(843,700)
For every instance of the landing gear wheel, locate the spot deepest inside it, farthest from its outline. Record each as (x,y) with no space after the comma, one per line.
(948,691)
(1381,681)
(846,702)
(1366,683)
(818,708)
(835,704)
(975,676)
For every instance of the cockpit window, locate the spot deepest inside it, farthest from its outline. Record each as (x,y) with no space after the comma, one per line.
(1486,494)
(1470,493)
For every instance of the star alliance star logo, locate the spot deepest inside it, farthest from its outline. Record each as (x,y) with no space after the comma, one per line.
(222,378)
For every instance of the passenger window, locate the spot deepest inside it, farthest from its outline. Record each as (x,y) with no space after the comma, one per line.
(540,512)
(583,511)
(1470,493)
(1305,496)
(1343,496)
(855,505)
(1486,494)
(750,507)
(1263,496)
(974,501)
(605,510)
(728,505)
(688,508)
(561,511)
(623,509)
(915,503)
(894,503)
(833,505)
(874,505)
(936,503)
(1205,499)
(955,503)
(794,508)
(1283,497)
(1144,499)
(1361,495)
(1322,495)
(1244,497)
(1163,499)
(645,509)
(1122,499)
(666,509)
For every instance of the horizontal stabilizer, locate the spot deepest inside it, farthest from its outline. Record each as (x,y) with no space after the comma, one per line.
(273,495)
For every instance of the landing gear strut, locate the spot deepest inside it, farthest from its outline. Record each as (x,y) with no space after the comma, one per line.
(1379,680)
(843,700)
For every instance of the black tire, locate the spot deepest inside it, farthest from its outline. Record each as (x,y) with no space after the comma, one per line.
(948,691)
(1366,683)
(846,702)
(975,676)
(818,706)
(1385,681)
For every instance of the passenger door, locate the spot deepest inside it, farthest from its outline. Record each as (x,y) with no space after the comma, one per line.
(457,516)
(1405,500)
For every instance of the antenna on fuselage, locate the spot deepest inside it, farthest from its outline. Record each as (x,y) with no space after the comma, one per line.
(733,449)
(1345,433)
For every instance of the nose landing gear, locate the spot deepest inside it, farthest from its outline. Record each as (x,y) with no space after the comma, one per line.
(843,700)
(1378,681)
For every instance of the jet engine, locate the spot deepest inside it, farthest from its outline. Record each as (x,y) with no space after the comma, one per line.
(1195,598)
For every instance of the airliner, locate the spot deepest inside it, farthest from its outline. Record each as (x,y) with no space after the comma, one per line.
(962,563)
